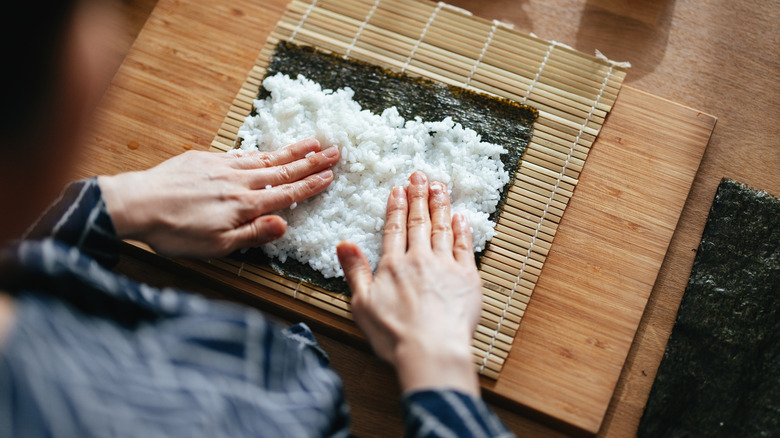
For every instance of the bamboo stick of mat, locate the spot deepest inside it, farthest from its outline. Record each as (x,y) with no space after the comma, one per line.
(572,91)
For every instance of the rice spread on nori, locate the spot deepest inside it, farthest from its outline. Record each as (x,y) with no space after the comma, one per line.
(719,374)
(496,120)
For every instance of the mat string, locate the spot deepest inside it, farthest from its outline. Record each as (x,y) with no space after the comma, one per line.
(539,72)
(482,53)
(360,30)
(305,16)
(295,292)
(544,213)
(422,35)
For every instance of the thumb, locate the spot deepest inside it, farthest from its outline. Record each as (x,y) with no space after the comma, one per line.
(356,268)
(261,230)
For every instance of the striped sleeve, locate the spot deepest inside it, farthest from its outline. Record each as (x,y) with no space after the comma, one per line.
(447,413)
(92,353)
(79,218)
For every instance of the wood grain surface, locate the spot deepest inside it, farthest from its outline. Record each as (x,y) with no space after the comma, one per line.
(680,51)
(611,242)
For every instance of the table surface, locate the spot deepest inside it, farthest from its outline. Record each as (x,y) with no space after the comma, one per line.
(722,59)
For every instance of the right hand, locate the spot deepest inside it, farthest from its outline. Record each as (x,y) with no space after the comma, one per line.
(206,204)
(421,309)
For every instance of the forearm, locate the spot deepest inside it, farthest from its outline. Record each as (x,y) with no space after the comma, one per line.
(125,203)
(79,218)
(436,413)
(422,367)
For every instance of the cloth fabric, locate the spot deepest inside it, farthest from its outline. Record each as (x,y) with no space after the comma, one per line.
(92,353)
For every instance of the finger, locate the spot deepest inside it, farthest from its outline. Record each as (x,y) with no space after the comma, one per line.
(356,268)
(394,242)
(257,232)
(441,221)
(463,249)
(419,221)
(294,171)
(287,154)
(280,197)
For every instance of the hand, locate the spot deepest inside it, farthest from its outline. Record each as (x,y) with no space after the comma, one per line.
(421,309)
(204,204)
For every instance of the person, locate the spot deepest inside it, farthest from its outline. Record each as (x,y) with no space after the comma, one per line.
(86,352)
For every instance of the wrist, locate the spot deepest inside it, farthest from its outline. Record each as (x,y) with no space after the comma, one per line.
(118,194)
(422,367)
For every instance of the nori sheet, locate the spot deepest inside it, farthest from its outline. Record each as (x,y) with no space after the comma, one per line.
(496,120)
(720,375)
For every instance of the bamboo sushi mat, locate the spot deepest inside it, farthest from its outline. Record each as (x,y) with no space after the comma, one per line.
(572,91)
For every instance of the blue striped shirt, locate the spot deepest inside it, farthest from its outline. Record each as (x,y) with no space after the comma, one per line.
(92,353)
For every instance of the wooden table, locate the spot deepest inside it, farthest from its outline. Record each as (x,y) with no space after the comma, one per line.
(678,51)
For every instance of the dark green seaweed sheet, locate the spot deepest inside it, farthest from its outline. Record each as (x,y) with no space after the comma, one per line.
(497,120)
(720,375)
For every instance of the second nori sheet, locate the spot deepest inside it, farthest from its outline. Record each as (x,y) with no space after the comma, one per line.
(720,375)
(496,120)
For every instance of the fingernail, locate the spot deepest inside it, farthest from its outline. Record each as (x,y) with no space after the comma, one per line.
(326,175)
(437,188)
(399,192)
(331,152)
(418,178)
(276,226)
(311,142)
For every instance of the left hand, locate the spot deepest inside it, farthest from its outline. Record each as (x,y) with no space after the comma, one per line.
(204,204)
(421,308)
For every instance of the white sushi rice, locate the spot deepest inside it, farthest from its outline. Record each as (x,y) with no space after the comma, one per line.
(378,152)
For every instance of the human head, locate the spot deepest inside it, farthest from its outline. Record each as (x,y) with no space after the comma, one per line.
(58,66)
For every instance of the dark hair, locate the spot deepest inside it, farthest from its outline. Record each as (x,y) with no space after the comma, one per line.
(32,43)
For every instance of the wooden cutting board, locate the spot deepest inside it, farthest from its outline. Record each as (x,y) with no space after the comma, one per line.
(176,85)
